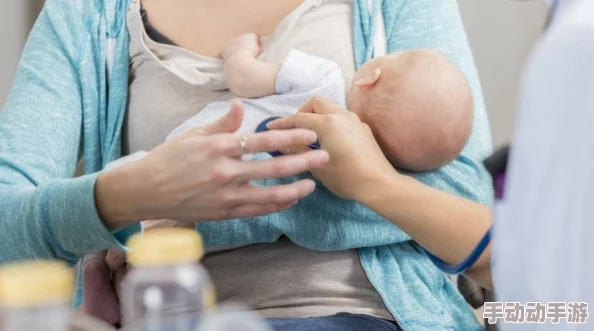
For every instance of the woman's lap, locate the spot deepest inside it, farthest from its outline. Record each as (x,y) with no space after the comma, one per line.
(339,322)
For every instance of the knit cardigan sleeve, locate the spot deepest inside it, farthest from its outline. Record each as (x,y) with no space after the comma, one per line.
(44,212)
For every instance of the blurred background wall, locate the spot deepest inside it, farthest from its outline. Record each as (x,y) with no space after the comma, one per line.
(501,33)
(14,23)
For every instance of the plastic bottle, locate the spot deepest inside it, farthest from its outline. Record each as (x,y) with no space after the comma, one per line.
(167,289)
(36,296)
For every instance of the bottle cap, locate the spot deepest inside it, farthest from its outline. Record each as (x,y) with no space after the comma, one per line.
(35,283)
(167,246)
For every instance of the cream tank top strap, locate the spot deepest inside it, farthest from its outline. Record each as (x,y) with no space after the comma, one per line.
(193,68)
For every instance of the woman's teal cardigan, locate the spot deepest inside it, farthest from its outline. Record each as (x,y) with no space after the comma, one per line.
(68,102)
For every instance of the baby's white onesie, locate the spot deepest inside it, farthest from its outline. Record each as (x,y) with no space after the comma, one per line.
(300,78)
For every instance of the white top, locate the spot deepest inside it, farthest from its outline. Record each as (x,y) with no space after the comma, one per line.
(300,78)
(543,248)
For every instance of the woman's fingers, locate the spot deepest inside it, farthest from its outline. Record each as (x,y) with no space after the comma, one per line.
(227,124)
(231,144)
(308,116)
(115,258)
(321,105)
(270,195)
(270,141)
(282,166)
(298,121)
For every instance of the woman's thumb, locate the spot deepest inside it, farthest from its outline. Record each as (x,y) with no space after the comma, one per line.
(226,124)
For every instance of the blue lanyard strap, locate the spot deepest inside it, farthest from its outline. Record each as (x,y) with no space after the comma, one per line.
(462,267)
(496,165)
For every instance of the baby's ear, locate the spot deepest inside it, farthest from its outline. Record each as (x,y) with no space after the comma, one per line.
(369,82)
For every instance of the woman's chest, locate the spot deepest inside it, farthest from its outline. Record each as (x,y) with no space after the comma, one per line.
(205,26)
(159,100)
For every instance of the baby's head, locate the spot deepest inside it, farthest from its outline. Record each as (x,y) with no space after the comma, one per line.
(418,105)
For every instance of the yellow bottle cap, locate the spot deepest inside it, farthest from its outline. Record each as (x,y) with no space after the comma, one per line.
(167,246)
(35,283)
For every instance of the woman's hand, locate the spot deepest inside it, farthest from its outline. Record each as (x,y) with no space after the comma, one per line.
(201,176)
(358,170)
(356,160)
(103,274)
(101,297)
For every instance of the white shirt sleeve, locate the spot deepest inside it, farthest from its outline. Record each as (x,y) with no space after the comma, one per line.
(302,73)
(544,227)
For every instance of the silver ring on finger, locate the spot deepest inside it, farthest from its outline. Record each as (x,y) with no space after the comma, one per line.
(244,145)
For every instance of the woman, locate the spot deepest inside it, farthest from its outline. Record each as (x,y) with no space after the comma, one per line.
(109,78)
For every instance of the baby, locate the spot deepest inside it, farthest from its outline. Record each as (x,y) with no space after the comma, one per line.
(417,103)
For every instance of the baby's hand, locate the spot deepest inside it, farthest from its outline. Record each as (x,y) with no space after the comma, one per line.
(249,42)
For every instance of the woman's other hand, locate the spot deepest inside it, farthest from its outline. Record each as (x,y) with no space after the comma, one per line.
(356,160)
(103,274)
(200,176)
(101,298)
(358,170)
(115,258)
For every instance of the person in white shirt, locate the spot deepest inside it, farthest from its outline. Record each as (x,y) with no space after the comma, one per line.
(542,224)
(543,248)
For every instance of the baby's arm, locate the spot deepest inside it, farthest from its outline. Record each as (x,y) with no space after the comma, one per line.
(246,76)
